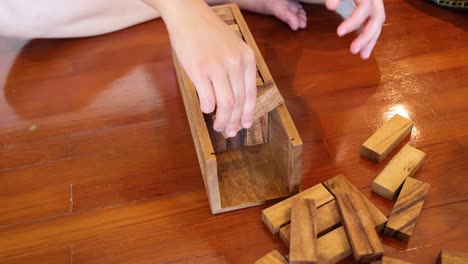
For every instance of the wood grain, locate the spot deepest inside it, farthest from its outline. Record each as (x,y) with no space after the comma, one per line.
(388,260)
(386,138)
(274,257)
(359,226)
(404,164)
(339,184)
(452,257)
(333,246)
(303,245)
(279,214)
(257,133)
(407,208)
(328,218)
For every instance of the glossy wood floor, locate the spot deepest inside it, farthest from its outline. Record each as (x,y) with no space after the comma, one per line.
(97,163)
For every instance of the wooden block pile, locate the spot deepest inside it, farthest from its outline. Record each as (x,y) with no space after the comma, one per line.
(331,221)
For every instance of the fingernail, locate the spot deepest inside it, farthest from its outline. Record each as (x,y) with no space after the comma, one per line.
(231,133)
(217,129)
(247,124)
(341,32)
(366,55)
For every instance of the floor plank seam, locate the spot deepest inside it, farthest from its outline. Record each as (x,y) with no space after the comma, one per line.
(103,208)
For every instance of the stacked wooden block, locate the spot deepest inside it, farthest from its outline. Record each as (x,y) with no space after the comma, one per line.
(329,222)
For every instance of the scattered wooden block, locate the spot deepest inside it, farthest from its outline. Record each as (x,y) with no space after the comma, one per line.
(452,257)
(339,184)
(279,214)
(359,227)
(303,248)
(409,204)
(387,260)
(377,147)
(257,133)
(274,257)
(333,246)
(405,164)
(328,218)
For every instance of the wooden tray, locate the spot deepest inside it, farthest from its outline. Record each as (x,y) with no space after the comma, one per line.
(248,175)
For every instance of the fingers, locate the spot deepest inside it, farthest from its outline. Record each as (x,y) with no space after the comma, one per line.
(224,98)
(367,50)
(236,76)
(371,14)
(302,17)
(357,18)
(332,4)
(289,17)
(293,14)
(250,91)
(205,94)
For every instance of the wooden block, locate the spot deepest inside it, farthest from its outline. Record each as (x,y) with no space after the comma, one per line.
(409,204)
(217,139)
(279,214)
(377,147)
(452,257)
(274,257)
(387,260)
(359,227)
(405,164)
(257,133)
(333,246)
(236,30)
(268,98)
(303,247)
(259,81)
(328,218)
(339,184)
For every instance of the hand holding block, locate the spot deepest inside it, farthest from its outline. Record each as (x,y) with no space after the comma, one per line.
(274,257)
(339,184)
(359,227)
(303,248)
(279,214)
(405,164)
(452,257)
(377,147)
(406,209)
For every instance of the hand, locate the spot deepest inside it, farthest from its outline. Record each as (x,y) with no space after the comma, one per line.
(220,64)
(290,12)
(368,16)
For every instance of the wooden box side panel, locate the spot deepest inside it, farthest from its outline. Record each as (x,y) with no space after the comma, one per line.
(286,145)
(245,31)
(201,138)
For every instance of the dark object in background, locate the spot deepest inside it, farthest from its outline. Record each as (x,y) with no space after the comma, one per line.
(461,5)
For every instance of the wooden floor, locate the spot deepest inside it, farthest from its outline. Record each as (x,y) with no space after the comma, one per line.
(97,163)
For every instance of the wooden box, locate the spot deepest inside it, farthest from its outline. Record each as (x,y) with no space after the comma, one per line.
(248,175)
